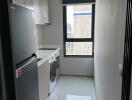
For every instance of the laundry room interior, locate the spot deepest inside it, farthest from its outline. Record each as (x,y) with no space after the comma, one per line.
(80,70)
(67,49)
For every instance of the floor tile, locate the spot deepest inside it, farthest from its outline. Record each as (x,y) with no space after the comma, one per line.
(73,88)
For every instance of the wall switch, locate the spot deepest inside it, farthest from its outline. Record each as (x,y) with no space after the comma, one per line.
(120,69)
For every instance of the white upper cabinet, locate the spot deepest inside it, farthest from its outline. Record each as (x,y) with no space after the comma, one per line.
(42,12)
(25,3)
(40,8)
(19,2)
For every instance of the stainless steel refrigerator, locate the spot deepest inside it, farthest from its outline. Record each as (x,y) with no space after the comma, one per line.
(23,50)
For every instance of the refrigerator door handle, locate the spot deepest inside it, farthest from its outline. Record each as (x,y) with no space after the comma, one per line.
(26,64)
(19,71)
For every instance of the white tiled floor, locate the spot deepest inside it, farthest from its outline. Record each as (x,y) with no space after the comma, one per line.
(73,88)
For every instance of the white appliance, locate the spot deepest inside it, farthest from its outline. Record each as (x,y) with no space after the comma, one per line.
(48,67)
(53,66)
(54,71)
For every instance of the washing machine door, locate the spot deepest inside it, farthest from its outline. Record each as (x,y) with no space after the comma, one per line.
(53,72)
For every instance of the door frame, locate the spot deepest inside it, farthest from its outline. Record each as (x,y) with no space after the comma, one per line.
(127,64)
(2,82)
(7,76)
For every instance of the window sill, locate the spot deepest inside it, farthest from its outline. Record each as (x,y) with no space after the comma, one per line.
(79,56)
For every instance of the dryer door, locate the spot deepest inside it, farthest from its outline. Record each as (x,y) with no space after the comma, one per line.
(52,72)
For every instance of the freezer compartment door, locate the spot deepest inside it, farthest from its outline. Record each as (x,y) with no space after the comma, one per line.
(27,81)
(22,33)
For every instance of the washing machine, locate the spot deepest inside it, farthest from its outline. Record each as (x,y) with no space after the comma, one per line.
(54,71)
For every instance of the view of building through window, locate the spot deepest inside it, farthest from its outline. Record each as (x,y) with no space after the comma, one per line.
(79,23)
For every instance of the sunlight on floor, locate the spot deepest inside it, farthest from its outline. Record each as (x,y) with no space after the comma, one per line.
(76,97)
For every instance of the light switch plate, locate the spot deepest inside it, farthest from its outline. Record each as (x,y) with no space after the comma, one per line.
(120,69)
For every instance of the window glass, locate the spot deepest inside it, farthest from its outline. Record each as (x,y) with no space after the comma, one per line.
(79,21)
(78,48)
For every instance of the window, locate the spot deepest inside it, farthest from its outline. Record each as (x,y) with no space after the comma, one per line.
(78,30)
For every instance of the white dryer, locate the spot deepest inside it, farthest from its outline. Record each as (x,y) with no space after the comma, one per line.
(54,71)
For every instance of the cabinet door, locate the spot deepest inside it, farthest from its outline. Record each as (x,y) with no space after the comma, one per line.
(25,3)
(19,2)
(44,84)
(42,12)
(29,4)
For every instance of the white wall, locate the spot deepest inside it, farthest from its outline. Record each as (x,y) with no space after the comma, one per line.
(53,35)
(109,41)
(39,35)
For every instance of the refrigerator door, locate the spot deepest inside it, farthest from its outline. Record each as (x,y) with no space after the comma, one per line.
(27,81)
(22,33)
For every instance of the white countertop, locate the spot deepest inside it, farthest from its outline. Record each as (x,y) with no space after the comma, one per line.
(45,55)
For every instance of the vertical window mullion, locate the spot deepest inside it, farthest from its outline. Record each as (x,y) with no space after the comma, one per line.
(93,21)
(64,29)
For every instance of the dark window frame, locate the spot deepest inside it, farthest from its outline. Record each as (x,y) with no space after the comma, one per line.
(65,39)
(77,1)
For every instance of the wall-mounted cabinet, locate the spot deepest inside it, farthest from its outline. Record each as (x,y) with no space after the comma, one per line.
(24,3)
(42,12)
(40,7)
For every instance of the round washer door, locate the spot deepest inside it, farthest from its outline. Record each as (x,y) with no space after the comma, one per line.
(52,72)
